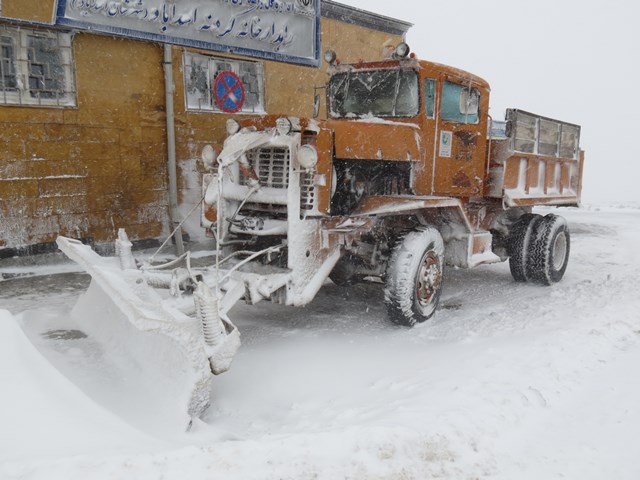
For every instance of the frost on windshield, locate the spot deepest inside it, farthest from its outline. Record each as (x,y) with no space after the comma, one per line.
(381,93)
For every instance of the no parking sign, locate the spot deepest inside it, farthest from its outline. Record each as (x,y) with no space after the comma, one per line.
(228,92)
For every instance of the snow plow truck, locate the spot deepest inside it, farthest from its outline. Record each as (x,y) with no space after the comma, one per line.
(407,173)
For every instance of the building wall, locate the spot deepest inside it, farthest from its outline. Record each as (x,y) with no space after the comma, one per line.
(86,171)
(30,10)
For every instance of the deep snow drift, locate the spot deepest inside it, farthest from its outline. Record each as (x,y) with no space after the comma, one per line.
(507,381)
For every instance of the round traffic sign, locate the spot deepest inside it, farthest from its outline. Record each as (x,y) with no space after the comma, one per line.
(228,91)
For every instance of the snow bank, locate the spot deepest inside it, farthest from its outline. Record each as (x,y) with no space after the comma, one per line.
(44,415)
(508,381)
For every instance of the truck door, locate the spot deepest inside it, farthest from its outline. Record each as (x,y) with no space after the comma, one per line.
(460,139)
(424,173)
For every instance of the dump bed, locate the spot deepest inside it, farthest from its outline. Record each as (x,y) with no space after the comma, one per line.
(534,160)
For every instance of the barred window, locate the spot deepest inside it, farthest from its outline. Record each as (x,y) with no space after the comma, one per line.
(201,71)
(7,64)
(35,67)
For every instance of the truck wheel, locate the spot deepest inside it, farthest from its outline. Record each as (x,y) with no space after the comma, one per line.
(414,277)
(549,250)
(344,274)
(518,245)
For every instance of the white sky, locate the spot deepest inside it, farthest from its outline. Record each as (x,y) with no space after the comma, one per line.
(577,61)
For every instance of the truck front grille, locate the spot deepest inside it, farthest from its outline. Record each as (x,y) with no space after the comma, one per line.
(307,192)
(271,164)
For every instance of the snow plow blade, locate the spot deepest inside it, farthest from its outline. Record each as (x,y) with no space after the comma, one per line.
(178,337)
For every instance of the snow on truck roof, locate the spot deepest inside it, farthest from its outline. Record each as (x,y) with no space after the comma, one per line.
(417,65)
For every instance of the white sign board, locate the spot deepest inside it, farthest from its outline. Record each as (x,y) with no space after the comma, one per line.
(283,30)
(446,139)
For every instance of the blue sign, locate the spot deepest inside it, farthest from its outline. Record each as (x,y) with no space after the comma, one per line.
(282,30)
(228,91)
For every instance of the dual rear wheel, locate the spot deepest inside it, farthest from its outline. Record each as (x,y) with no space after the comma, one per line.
(538,248)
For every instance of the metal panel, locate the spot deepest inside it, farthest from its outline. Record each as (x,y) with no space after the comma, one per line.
(307,191)
(531,133)
(271,164)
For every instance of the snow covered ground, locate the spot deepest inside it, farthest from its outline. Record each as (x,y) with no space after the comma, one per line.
(508,381)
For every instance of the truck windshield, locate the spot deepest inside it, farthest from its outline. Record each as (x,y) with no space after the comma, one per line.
(381,93)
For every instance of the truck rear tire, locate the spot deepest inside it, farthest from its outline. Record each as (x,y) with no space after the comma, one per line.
(548,250)
(518,245)
(414,277)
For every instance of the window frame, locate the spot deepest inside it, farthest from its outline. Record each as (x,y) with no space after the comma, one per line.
(349,76)
(22,94)
(430,100)
(211,72)
(460,117)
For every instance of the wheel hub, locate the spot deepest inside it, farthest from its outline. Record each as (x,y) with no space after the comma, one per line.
(559,250)
(429,278)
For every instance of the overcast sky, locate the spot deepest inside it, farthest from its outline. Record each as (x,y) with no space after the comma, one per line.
(577,61)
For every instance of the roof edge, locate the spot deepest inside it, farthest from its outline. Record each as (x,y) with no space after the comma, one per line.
(363,18)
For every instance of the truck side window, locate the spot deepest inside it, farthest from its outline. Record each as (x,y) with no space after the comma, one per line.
(429,97)
(459,103)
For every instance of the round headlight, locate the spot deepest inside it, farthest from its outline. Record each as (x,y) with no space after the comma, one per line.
(283,126)
(330,57)
(402,50)
(307,157)
(233,126)
(209,156)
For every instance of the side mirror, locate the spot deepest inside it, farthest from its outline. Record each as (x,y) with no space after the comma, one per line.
(469,101)
(316,106)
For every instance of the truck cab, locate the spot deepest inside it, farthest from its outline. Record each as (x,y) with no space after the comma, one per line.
(446,107)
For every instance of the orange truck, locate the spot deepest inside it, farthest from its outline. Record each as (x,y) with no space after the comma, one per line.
(408,173)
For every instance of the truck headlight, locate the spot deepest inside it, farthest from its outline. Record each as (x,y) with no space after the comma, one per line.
(402,50)
(330,57)
(209,156)
(307,157)
(284,126)
(233,126)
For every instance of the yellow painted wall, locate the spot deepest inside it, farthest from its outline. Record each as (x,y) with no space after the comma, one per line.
(86,171)
(31,10)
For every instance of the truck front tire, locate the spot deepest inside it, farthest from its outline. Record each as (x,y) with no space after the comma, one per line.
(414,277)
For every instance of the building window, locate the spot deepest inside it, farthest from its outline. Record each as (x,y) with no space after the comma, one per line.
(35,68)
(201,71)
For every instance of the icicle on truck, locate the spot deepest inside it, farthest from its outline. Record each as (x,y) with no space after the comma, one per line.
(408,173)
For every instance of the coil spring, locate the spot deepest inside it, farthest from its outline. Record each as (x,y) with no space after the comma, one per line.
(157,279)
(207,312)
